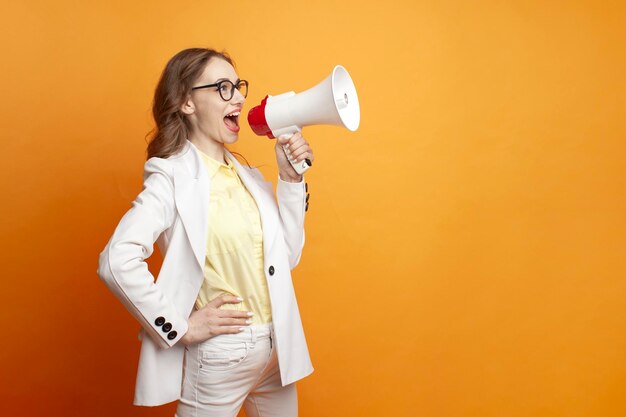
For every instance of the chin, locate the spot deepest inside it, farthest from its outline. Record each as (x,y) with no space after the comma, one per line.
(230,140)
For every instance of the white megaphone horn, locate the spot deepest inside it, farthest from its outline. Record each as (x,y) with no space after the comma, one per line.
(331,102)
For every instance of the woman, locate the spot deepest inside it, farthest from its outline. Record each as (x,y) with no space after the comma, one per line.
(220,326)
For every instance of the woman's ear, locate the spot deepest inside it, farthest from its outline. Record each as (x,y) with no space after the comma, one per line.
(188,107)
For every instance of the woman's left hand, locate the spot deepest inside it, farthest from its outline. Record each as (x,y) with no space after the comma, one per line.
(300,151)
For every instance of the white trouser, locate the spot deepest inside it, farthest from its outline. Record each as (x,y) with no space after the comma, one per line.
(230,370)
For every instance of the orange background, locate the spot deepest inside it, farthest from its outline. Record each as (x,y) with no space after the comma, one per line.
(465,248)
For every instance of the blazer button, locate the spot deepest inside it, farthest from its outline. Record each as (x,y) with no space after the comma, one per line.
(306,208)
(307,197)
(306,187)
(167,327)
(159,321)
(271,270)
(172,335)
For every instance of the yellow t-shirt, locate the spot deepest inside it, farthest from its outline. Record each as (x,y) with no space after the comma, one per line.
(234,253)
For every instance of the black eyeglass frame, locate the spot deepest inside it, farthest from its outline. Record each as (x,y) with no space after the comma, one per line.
(232,88)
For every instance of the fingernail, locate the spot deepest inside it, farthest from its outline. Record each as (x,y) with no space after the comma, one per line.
(248,321)
(241,329)
(250,314)
(240,299)
(308,162)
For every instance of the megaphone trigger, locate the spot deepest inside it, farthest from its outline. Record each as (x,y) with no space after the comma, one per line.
(299,167)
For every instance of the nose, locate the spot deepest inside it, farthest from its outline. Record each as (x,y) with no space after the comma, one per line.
(238,98)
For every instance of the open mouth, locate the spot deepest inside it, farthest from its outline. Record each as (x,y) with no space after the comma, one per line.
(232,121)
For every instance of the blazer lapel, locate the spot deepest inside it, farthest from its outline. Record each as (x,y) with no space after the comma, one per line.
(192,191)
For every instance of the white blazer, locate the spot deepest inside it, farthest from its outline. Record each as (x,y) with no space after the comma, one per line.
(172,210)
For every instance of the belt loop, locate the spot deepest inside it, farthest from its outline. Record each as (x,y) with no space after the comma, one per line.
(271,334)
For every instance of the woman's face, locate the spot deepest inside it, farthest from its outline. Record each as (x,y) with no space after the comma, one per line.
(208,112)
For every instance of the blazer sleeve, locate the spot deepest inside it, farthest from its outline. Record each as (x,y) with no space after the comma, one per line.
(122,266)
(292,206)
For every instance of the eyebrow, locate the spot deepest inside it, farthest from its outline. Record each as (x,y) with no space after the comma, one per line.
(222,79)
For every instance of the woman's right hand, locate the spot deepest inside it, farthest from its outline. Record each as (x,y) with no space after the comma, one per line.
(210,321)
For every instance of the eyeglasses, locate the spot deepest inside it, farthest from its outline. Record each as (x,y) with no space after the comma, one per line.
(226,88)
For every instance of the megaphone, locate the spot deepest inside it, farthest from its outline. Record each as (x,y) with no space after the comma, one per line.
(331,102)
